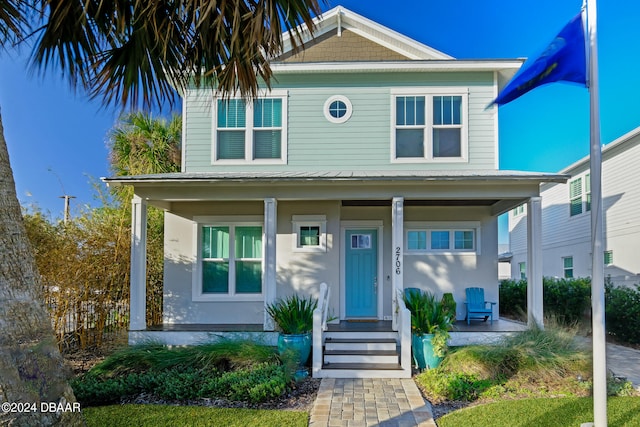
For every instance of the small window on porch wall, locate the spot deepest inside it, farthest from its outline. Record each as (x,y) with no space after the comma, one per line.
(309,233)
(231,259)
(435,237)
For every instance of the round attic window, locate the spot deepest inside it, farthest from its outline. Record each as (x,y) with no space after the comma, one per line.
(338,109)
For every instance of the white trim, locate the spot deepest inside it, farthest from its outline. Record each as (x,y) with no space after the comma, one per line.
(397,255)
(248,130)
(183,142)
(298,221)
(361,225)
(138,268)
(398,66)
(339,17)
(428,93)
(269,258)
(347,114)
(196,278)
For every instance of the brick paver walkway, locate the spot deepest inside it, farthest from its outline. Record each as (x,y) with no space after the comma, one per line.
(370,402)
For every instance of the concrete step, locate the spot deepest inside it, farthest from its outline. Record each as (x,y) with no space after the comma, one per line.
(360,344)
(363,370)
(361,334)
(361,356)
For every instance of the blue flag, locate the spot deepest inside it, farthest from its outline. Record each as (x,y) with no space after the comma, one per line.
(563,60)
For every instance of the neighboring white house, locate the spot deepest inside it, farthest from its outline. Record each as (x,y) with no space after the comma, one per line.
(371,166)
(566,236)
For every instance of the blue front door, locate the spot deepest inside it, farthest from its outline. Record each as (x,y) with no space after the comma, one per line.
(361,271)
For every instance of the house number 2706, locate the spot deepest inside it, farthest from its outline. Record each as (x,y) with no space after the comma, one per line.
(398,261)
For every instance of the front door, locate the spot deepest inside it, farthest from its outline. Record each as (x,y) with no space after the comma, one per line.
(361,271)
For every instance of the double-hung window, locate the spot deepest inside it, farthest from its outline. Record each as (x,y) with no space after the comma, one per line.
(429,127)
(580,195)
(567,267)
(250,131)
(229,260)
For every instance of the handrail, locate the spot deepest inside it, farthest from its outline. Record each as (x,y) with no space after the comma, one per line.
(403,323)
(319,326)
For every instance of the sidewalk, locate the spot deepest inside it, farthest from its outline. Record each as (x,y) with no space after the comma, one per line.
(370,402)
(399,403)
(624,362)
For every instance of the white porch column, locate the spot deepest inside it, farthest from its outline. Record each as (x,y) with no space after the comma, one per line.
(534,261)
(397,243)
(269,251)
(138,285)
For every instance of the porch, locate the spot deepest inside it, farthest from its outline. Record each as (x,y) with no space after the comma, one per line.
(189,334)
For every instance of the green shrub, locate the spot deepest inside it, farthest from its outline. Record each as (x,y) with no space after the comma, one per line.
(622,306)
(234,370)
(566,300)
(513,297)
(261,383)
(519,365)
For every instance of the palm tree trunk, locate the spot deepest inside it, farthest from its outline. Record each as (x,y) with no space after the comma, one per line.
(31,366)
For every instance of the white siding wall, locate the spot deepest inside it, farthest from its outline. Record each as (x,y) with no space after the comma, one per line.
(565,235)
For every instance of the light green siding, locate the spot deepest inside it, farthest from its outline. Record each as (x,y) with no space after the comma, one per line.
(364,141)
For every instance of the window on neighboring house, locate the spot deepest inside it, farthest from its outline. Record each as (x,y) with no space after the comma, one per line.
(522,267)
(231,259)
(608,257)
(580,195)
(567,266)
(441,240)
(587,192)
(250,131)
(309,233)
(430,127)
(518,210)
(575,197)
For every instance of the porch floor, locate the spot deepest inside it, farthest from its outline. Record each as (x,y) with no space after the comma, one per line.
(500,325)
(206,327)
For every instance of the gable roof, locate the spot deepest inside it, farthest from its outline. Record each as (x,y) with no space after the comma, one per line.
(344,41)
(338,20)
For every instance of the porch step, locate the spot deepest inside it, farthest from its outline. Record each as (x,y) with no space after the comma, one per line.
(362,370)
(361,354)
(362,357)
(360,344)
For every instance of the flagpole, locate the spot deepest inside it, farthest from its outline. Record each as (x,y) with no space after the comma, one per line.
(597,252)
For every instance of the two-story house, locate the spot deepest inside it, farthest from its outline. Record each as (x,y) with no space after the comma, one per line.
(371,166)
(566,218)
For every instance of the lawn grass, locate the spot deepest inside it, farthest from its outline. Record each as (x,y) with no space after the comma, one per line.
(559,412)
(162,415)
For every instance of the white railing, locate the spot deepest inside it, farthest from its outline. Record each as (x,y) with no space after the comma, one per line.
(403,324)
(319,326)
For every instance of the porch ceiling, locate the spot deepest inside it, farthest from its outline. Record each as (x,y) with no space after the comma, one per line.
(502,190)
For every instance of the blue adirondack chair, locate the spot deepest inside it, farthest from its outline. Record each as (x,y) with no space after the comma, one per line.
(477,307)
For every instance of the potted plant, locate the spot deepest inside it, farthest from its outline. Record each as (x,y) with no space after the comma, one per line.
(430,325)
(449,305)
(294,317)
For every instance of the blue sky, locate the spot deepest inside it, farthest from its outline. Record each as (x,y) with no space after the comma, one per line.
(56,137)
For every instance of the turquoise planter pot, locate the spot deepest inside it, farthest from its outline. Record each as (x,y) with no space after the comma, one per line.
(299,343)
(423,355)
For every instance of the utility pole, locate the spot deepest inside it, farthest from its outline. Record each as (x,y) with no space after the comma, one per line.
(66,206)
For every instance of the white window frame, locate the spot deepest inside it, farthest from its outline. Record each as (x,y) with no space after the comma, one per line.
(319,221)
(451,227)
(249,128)
(429,93)
(564,268)
(522,270)
(585,193)
(223,221)
(347,114)
(519,210)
